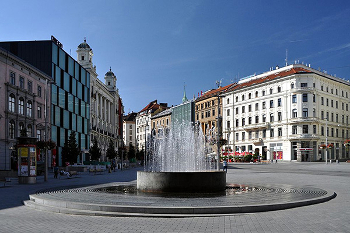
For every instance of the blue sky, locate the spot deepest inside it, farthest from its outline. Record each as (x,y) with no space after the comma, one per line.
(154,47)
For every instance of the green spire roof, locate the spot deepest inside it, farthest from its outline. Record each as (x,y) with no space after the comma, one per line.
(184,99)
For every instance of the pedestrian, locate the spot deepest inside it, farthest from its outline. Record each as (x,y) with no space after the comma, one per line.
(224,163)
(55,171)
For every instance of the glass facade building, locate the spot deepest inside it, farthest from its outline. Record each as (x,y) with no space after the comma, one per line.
(70,93)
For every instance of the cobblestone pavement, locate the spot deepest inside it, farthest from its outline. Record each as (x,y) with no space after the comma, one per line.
(331,216)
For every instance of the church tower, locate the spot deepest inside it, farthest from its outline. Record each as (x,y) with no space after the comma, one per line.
(84,53)
(110,80)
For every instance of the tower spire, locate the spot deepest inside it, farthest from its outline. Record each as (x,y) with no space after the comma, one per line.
(184,98)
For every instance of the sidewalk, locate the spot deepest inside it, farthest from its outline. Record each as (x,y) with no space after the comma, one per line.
(331,216)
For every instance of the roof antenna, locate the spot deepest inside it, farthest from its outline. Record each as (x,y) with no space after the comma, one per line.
(85,39)
(286,57)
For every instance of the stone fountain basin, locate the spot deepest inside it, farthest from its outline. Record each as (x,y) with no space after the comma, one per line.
(197,182)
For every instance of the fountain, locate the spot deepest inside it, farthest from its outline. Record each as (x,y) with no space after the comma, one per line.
(176,162)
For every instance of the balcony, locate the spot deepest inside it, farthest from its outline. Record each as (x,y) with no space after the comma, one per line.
(304,136)
(263,125)
(303,119)
(257,141)
(302,90)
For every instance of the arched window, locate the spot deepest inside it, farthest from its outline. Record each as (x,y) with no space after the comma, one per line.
(279,89)
(29,108)
(250,95)
(12,129)
(228,100)
(271,91)
(256,94)
(292,85)
(236,98)
(228,112)
(242,97)
(12,103)
(21,127)
(21,106)
(294,113)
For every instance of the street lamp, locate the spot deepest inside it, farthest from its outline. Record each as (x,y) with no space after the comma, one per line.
(45,117)
(145,154)
(326,139)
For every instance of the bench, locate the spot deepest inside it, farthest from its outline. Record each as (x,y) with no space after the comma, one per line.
(5,180)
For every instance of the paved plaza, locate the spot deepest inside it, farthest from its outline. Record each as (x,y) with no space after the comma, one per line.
(331,216)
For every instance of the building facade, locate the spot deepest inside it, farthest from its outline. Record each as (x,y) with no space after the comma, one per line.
(287,114)
(24,95)
(143,122)
(105,112)
(129,130)
(161,121)
(70,91)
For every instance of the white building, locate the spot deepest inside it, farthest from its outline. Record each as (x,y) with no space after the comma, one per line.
(106,109)
(129,129)
(282,114)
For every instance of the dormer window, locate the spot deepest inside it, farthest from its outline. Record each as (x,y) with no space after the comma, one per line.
(109,83)
(82,58)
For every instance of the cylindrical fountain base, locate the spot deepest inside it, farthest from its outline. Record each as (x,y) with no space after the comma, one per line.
(210,181)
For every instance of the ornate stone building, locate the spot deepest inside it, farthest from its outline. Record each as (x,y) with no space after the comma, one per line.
(106,107)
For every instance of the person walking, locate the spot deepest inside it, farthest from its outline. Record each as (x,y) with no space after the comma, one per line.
(224,163)
(55,171)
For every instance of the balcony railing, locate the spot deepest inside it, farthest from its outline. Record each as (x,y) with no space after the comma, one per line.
(303,136)
(303,119)
(262,125)
(302,89)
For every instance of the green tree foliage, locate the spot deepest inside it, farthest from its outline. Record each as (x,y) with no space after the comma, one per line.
(95,151)
(70,150)
(131,151)
(111,153)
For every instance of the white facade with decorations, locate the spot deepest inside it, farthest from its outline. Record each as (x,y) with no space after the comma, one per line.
(105,111)
(287,114)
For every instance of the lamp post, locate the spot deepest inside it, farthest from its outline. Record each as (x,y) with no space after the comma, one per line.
(218,135)
(46,169)
(145,154)
(326,139)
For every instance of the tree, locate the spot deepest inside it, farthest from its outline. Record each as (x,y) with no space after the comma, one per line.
(131,151)
(111,153)
(95,151)
(70,150)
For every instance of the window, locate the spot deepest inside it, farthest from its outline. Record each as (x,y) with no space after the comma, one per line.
(257,134)
(242,97)
(271,103)
(228,124)
(249,108)
(294,113)
(213,112)
(314,98)
(336,104)
(243,136)
(236,98)
(322,115)
(249,120)
(314,129)
(38,135)
(305,129)
(305,97)
(279,102)
(303,84)
(332,103)
(322,131)
(256,107)
(322,101)
(336,117)
(264,105)
(294,98)
(279,115)
(237,137)
(237,123)
(321,88)
(228,101)
(256,94)
(272,133)
(263,93)
(250,135)
(243,121)
(294,129)
(291,85)
(279,89)
(314,112)
(228,112)
(82,58)
(256,119)
(263,118)
(21,106)
(332,117)
(39,112)
(21,82)
(264,133)
(39,91)
(243,109)
(271,91)
(279,132)
(29,130)
(237,111)
(12,129)
(305,112)
(250,95)
(29,108)
(327,102)
(271,117)
(12,78)
(30,86)
(12,103)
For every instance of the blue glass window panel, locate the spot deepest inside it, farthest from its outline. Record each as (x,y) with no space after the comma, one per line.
(54,94)
(82,142)
(77,68)
(52,114)
(62,136)
(76,102)
(83,76)
(66,82)
(74,122)
(88,80)
(61,98)
(58,76)
(79,124)
(80,90)
(54,53)
(62,59)
(86,94)
(71,66)
(54,133)
(85,125)
(74,87)
(57,116)
(82,108)
(88,111)
(70,102)
(66,119)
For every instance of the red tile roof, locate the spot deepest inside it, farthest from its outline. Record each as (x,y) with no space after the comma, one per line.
(215,92)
